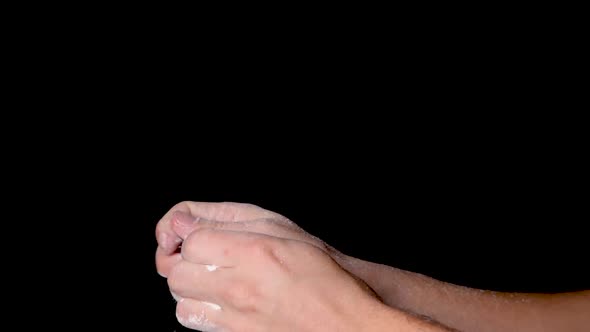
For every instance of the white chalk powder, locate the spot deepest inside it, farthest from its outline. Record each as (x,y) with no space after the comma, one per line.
(195,321)
(211,267)
(212,305)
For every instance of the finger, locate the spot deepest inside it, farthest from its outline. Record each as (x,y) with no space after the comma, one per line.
(184,224)
(221,247)
(225,211)
(199,315)
(196,281)
(165,262)
(168,241)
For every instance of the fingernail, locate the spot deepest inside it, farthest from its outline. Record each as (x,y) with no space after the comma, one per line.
(184,219)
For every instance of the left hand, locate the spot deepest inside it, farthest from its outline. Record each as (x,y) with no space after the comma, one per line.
(242,281)
(186,217)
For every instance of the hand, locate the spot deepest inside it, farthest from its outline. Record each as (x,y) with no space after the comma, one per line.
(242,281)
(187,217)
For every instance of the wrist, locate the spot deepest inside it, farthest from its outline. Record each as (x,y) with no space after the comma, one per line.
(382,279)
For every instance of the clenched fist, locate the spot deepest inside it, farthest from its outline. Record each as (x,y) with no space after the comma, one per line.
(243,268)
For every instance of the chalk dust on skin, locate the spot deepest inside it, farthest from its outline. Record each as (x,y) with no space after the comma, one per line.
(196,321)
(212,305)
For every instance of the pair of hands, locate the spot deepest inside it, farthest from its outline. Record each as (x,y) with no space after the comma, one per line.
(244,268)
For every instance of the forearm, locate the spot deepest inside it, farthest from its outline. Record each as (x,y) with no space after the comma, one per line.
(378,317)
(469,309)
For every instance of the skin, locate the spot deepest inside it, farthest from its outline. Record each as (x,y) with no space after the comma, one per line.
(279,277)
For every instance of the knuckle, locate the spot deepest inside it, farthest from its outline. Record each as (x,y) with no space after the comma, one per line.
(267,251)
